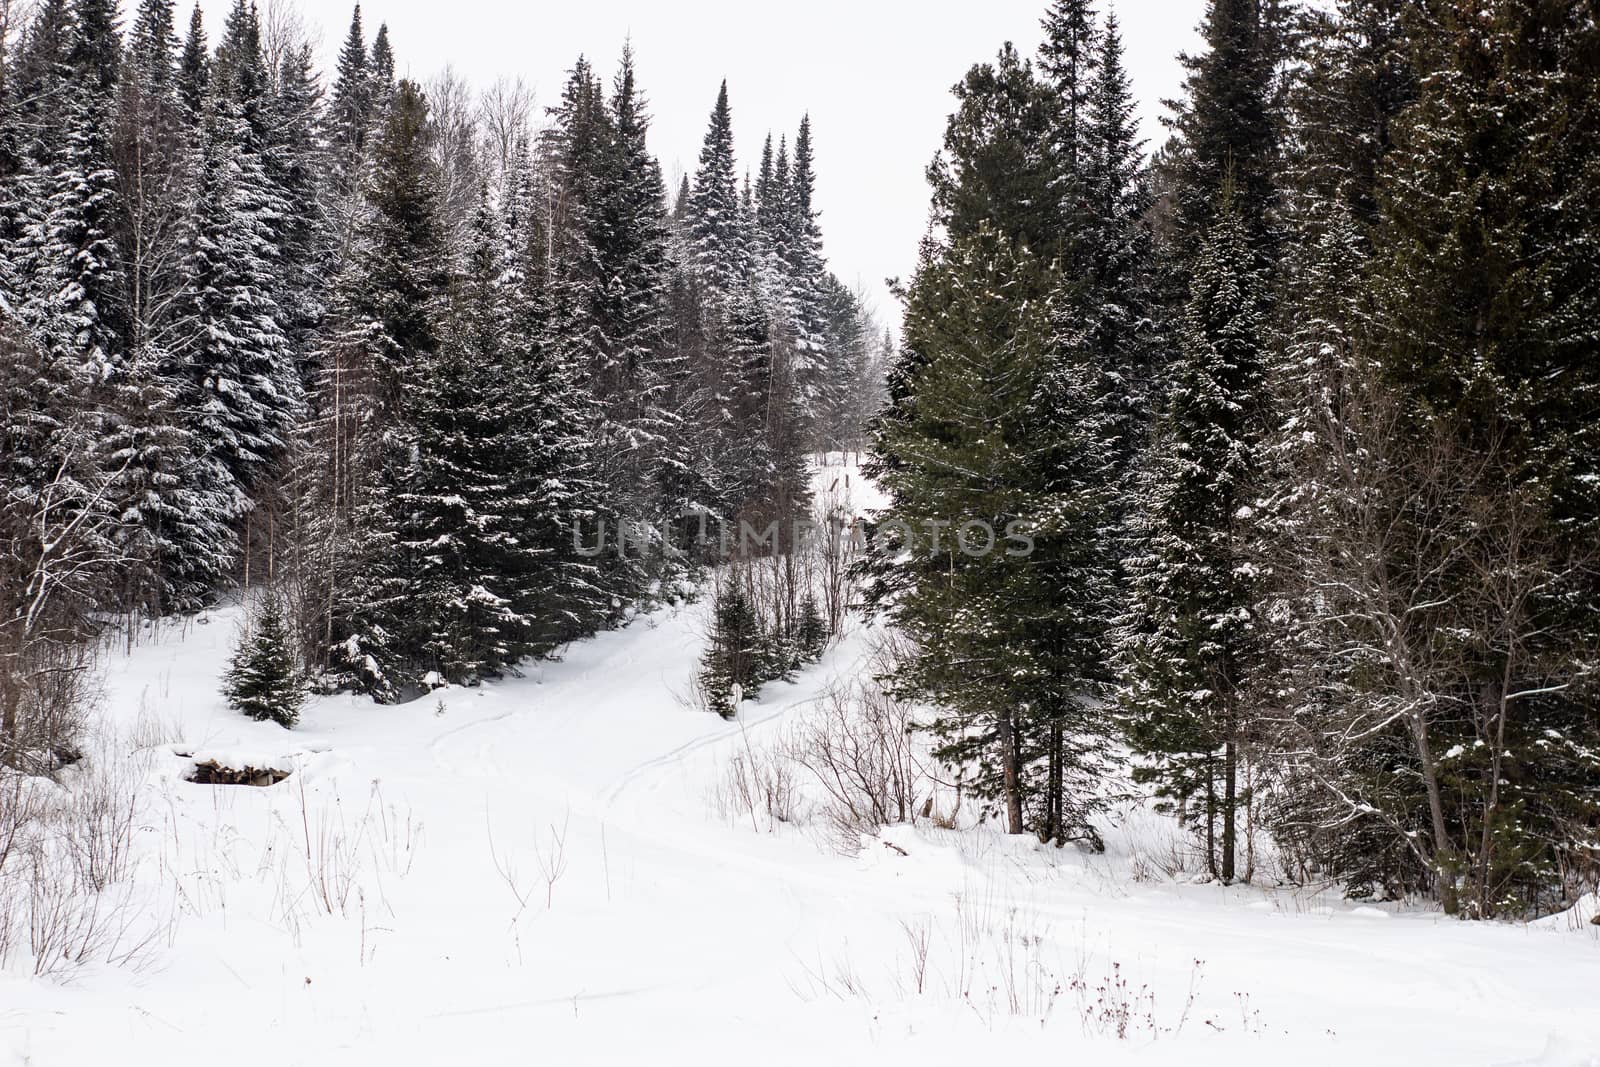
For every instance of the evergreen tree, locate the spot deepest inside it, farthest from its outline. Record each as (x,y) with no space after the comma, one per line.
(194,70)
(263,681)
(296,164)
(388,307)
(241,384)
(1227,121)
(736,649)
(467,507)
(996,471)
(350,114)
(149,154)
(1116,310)
(1463,655)
(382,70)
(716,241)
(70,254)
(1192,634)
(997,168)
(811,635)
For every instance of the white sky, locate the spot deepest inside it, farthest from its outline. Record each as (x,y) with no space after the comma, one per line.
(874,74)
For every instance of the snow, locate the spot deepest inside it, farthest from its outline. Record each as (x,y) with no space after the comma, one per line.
(537,873)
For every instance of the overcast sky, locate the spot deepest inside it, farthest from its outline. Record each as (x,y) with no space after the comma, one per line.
(874,74)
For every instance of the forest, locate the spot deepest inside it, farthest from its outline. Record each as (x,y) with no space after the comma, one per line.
(1295,415)
(1304,412)
(403,357)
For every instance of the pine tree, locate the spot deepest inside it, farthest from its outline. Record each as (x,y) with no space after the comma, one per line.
(1227,121)
(1116,311)
(70,252)
(1191,634)
(388,307)
(382,70)
(264,682)
(736,651)
(1068,58)
(467,505)
(1480,477)
(997,168)
(194,70)
(996,472)
(296,163)
(150,157)
(350,113)
(716,242)
(811,635)
(635,250)
(1358,80)
(241,383)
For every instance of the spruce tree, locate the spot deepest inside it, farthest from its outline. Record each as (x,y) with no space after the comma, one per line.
(467,505)
(387,311)
(716,243)
(736,651)
(1191,634)
(240,380)
(194,70)
(296,163)
(1478,289)
(264,681)
(996,471)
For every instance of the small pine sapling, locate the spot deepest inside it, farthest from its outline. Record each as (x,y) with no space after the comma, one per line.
(264,681)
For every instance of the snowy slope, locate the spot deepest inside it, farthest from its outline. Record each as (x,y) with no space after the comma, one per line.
(389,903)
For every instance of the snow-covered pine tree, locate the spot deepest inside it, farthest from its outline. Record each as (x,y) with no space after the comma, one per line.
(637,250)
(350,109)
(1117,310)
(1068,57)
(1483,290)
(811,632)
(70,256)
(264,680)
(736,649)
(1000,443)
(1326,471)
(715,240)
(807,280)
(194,70)
(387,308)
(1226,121)
(572,593)
(382,68)
(466,511)
(1191,637)
(296,163)
(240,384)
(150,158)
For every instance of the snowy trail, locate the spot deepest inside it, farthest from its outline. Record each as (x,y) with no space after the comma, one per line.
(671,936)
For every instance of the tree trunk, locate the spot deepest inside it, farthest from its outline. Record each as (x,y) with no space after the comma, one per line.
(1442,851)
(1056,802)
(1230,784)
(1211,816)
(1011,771)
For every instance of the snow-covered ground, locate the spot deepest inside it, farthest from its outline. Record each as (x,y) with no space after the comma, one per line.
(537,872)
